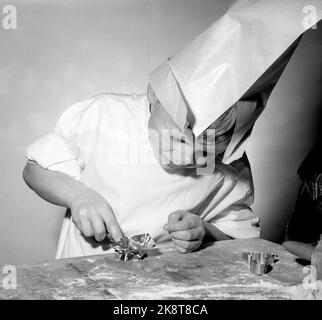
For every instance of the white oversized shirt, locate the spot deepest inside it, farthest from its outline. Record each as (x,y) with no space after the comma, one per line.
(104,143)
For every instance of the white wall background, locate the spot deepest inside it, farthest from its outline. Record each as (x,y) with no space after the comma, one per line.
(67,50)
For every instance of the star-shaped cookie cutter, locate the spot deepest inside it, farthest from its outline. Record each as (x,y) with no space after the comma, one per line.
(134,247)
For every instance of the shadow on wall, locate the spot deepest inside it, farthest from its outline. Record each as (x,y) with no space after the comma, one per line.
(287,130)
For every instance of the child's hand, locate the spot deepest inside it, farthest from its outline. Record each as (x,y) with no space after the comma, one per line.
(300,249)
(186,229)
(93,215)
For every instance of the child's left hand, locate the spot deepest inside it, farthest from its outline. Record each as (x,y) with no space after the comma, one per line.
(186,229)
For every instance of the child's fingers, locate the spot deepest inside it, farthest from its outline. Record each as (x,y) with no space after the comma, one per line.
(187,245)
(182,221)
(99,227)
(173,218)
(180,226)
(165,227)
(174,222)
(86,226)
(176,216)
(111,224)
(180,249)
(187,235)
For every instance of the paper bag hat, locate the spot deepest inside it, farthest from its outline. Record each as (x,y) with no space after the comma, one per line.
(238,58)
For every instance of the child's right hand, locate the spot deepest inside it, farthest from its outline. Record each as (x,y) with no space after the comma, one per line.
(93,215)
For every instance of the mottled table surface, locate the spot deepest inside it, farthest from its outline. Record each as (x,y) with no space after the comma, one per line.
(215,272)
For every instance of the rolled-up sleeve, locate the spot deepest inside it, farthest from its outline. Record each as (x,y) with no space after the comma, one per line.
(238,227)
(62,150)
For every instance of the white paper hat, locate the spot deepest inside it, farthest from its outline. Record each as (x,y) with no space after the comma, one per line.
(219,67)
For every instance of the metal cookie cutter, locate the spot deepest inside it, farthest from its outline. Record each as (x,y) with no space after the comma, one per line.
(134,247)
(259,262)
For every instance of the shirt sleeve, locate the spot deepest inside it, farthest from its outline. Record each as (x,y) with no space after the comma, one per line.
(240,225)
(64,149)
(247,114)
(233,214)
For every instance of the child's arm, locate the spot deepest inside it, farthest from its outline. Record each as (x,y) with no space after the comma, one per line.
(90,211)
